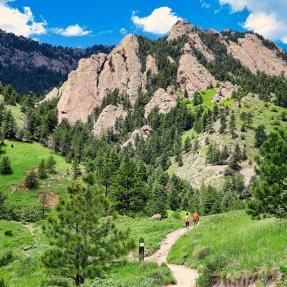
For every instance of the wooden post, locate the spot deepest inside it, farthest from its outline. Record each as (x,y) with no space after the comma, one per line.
(141,249)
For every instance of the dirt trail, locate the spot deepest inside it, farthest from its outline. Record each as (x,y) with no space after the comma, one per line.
(185,277)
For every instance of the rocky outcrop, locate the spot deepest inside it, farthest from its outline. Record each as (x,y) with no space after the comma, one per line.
(225,91)
(163,99)
(192,76)
(151,65)
(99,75)
(54,94)
(108,118)
(183,28)
(142,133)
(252,54)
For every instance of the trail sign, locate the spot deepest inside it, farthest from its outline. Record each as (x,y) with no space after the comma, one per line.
(141,249)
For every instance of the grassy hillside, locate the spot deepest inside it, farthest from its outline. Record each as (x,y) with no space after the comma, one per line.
(25,157)
(242,245)
(16,111)
(194,167)
(25,268)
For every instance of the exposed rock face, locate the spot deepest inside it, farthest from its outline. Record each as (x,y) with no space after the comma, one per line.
(164,100)
(97,76)
(225,91)
(255,56)
(142,133)
(78,95)
(107,119)
(183,28)
(54,94)
(151,65)
(192,76)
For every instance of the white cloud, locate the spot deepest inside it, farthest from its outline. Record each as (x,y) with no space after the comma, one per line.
(18,22)
(72,31)
(123,31)
(158,22)
(267,17)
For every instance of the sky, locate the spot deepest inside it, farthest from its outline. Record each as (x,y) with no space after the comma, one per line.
(88,22)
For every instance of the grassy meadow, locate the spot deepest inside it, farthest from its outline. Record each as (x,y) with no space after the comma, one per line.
(245,246)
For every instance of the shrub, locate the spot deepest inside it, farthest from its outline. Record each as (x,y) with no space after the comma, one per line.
(6,259)
(8,233)
(201,253)
(2,283)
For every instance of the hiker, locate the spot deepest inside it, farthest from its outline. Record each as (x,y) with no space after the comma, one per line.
(186,220)
(195,218)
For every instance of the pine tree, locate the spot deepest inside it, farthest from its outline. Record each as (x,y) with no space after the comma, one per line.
(50,165)
(260,135)
(31,180)
(5,166)
(128,191)
(270,190)
(232,126)
(42,170)
(223,124)
(210,201)
(9,127)
(76,169)
(84,239)
(157,203)
(187,144)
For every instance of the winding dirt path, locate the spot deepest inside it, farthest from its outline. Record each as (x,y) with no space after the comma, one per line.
(185,277)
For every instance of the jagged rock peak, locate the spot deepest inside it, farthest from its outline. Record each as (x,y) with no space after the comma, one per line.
(181,28)
(142,133)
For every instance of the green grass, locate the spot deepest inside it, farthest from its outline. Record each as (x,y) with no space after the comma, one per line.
(245,245)
(27,269)
(137,275)
(27,156)
(16,111)
(152,231)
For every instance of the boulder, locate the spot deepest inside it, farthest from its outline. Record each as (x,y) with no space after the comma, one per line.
(165,100)
(142,133)
(225,91)
(107,119)
(156,217)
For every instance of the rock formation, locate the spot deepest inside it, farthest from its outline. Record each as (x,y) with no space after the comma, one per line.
(142,133)
(252,54)
(225,91)
(95,77)
(164,100)
(108,118)
(192,76)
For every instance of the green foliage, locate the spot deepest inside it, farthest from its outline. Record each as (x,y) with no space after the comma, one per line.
(42,174)
(260,135)
(31,180)
(5,166)
(84,239)
(210,201)
(269,192)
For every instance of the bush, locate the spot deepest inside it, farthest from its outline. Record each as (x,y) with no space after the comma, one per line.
(2,283)
(176,215)
(8,233)
(209,274)
(6,259)
(201,253)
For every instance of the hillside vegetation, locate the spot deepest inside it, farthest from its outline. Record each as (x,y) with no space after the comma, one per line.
(236,245)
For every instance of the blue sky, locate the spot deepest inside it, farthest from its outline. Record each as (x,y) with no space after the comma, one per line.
(86,22)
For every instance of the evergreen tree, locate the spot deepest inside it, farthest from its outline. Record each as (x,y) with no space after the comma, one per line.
(5,166)
(76,169)
(42,170)
(50,165)
(223,124)
(158,200)
(84,239)
(9,127)
(128,191)
(269,191)
(210,202)
(187,144)
(3,205)
(232,126)
(31,180)
(260,135)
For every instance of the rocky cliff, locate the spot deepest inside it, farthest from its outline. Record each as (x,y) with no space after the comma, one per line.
(130,71)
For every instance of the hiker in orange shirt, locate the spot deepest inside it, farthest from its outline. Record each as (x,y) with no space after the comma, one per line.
(195,219)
